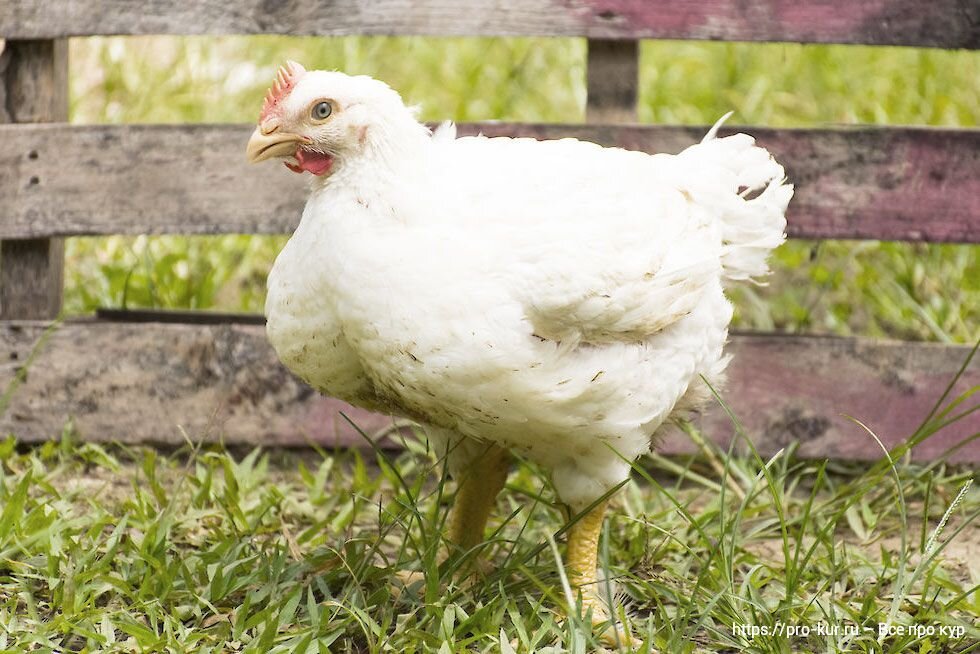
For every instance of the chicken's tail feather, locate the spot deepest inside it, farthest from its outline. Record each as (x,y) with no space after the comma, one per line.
(752,203)
(713,132)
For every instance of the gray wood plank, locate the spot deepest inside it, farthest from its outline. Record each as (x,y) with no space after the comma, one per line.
(33,89)
(944,23)
(31,278)
(145,382)
(915,184)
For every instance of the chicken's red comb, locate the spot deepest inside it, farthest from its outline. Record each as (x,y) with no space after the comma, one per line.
(285,81)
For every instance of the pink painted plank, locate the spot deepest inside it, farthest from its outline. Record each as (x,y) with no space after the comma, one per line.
(788,389)
(942,23)
(915,184)
(143,382)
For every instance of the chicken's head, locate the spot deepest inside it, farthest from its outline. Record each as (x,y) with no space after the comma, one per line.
(313,119)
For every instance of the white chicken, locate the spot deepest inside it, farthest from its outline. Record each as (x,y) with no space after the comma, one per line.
(554,298)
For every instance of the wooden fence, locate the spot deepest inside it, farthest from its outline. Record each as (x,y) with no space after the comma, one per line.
(146,376)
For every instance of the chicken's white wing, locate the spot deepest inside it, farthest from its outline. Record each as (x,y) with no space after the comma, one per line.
(605,244)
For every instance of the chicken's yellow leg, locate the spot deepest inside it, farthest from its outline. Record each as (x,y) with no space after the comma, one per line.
(477,489)
(580,566)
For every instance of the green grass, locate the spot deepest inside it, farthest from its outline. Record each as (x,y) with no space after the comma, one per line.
(925,292)
(127,550)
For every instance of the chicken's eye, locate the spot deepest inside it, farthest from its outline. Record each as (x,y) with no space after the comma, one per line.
(321,110)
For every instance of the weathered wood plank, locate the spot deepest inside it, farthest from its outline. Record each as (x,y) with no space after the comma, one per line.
(915,184)
(31,278)
(144,382)
(35,81)
(612,77)
(944,23)
(33,89)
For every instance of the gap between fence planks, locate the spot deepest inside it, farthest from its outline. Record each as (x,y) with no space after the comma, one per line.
(914,184)
(940,23)
(142,383)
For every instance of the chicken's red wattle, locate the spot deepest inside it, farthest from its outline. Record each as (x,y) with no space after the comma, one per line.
(309,161)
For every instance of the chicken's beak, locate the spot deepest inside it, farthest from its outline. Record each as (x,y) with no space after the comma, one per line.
(266,144)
